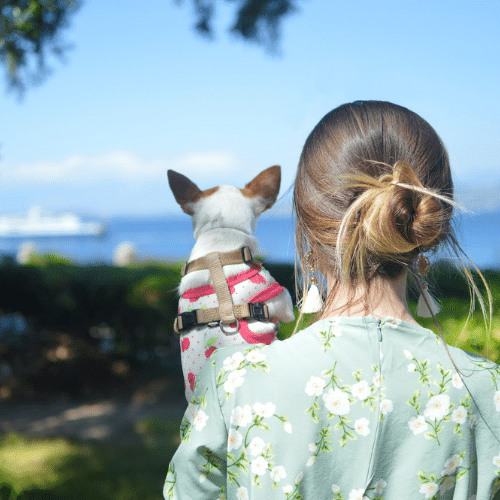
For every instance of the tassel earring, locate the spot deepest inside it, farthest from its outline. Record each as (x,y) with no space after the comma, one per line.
(312,302)
(427,306)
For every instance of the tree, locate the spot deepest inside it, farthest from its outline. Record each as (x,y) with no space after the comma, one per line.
(29,29)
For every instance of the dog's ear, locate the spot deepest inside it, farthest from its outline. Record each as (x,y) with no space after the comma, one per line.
(265,186)
(185,191)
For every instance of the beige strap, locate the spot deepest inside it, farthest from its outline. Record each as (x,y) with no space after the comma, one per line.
(221,288)
(213,315)
(239,256)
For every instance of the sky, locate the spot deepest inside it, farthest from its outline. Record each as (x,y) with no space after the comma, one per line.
(141,92)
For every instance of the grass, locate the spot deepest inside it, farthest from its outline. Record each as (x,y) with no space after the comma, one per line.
(58,468)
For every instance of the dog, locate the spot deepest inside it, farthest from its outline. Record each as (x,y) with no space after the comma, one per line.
(226,297)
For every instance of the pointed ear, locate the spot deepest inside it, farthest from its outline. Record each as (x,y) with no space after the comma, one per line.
(265,186)
(185,191)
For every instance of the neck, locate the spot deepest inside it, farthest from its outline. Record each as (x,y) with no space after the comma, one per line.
(222,240)
(384,297)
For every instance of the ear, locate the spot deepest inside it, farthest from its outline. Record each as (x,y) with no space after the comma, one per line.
(185,191)
(265,186)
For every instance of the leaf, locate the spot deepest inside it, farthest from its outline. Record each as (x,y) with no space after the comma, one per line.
(210,342)
(422,476)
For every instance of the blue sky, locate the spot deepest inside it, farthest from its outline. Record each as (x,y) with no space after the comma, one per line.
(141,92)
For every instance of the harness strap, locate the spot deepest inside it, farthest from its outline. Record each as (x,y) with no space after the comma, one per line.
(240,256)
(188,320)
(227,313)
(221,288)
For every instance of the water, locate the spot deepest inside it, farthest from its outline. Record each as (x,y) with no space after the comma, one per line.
(170,238)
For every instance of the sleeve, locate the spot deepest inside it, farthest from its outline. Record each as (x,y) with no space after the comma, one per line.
(198,468)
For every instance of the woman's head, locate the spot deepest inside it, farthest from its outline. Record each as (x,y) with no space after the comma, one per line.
(365,192)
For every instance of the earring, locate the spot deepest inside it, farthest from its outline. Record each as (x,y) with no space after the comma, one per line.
(427,306)
(312,302)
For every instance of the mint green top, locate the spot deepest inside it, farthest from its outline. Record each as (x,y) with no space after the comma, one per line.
(349,408)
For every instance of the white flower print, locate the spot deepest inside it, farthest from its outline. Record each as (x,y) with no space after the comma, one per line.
(456,381)
(337,401)
(255,356)
(310,461)
(429,489)
(361,390)
(259,466)
(256,446)
(447,484)
(408,355)
(459,415)
(386,406)
(200,420)
(202,478)
(496,461)
(191,412)
(335,488)
(357,494)
(241,417)
(379,486)
(287,427)
(417,424)
(437,407)
(234,440)
(473,420)
(235,379)
(377,379)
(412,367)
(451,465)
(313,447)
(315,386)
(287,489)
(265,411)
(278,473)
(496,400)
(393,322)
(299,477)
(231,363)
(361,427)
(242,493)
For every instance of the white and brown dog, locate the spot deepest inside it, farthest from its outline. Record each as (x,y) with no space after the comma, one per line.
(226,297)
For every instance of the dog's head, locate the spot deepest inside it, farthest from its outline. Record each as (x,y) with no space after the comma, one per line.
(226,206)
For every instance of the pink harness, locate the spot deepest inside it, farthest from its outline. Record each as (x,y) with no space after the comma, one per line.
(253,275)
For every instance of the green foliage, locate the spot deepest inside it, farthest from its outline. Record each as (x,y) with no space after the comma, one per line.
(29,29)
(256,20)
(58,468)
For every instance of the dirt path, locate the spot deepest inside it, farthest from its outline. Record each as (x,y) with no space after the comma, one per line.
(102,420)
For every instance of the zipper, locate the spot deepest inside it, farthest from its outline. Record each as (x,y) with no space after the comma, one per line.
(379,329)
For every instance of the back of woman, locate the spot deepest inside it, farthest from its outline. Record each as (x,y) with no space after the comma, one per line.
(364,403)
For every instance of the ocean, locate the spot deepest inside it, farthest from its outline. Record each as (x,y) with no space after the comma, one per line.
(170,238)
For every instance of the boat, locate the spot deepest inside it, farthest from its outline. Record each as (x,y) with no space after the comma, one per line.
(35,223)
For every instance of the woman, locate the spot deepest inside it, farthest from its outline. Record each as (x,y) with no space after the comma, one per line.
(364,403)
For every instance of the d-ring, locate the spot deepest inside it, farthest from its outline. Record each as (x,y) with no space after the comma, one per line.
(229,332)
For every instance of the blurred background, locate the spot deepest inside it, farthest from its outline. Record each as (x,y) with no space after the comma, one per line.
(101,98)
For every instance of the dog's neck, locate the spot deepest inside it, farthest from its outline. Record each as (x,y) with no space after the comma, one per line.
(222,240)
(217,240)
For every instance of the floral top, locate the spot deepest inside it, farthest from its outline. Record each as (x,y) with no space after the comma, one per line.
(349,408)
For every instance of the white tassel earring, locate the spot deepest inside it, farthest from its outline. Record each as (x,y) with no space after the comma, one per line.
(312,302)
(427,306)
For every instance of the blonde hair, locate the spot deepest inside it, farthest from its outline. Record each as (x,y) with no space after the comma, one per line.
(373,191)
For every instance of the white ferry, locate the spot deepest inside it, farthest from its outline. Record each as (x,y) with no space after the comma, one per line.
(34,223)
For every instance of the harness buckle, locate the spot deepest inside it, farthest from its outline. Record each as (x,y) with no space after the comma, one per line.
(258,310)
(246,255)
(187,320)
